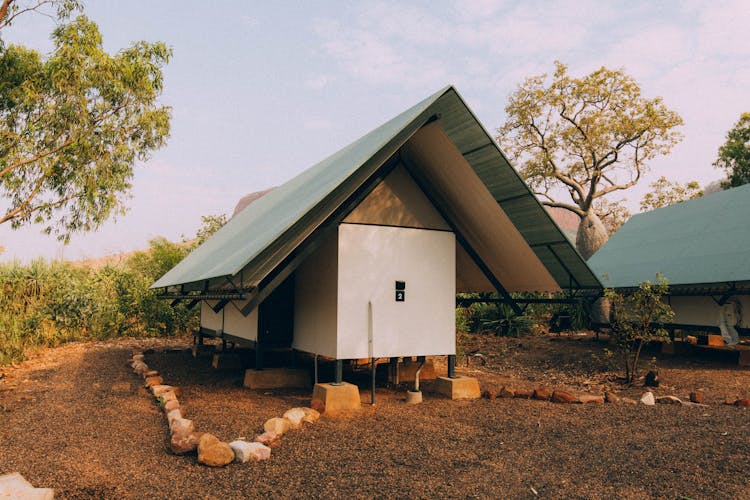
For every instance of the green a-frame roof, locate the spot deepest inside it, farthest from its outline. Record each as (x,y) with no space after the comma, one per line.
(700,244)
(253,244)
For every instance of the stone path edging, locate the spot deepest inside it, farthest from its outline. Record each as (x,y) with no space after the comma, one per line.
(211,451)
(560,396)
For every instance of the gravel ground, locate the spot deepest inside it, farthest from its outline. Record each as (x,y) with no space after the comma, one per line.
(77,420)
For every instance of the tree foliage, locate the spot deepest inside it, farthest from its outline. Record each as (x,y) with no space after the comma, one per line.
(11,9)
(612,214)
(576,140)
(638,318)
(73,124)
(734,154)
(664,193)
(209,225)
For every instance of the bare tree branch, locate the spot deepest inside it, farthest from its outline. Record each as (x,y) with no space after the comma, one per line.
(18,211)
(29,211)
(5,21)
(73,138)
(566,206)
(556,171)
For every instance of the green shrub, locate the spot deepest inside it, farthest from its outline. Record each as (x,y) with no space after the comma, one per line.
(504,321)
(491,317)
(49,303)
(638,318)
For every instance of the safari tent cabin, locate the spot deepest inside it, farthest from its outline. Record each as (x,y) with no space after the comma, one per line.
(361,256)
(702,248)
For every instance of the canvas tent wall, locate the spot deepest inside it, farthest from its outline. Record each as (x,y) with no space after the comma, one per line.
(702,248)
(432,169)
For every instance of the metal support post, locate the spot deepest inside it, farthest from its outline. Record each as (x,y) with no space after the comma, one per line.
(339,374)
(258,355)
(451,366)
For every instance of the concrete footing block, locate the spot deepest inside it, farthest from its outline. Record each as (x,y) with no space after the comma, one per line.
(278,378)
(341,397)
(458,388)
(226,361)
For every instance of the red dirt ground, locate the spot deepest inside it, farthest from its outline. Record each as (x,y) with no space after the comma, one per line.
(76,419)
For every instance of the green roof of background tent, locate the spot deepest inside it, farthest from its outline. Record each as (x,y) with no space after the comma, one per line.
(259,237)
(701,241)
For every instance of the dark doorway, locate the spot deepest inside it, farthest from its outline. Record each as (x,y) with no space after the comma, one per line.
(276,316)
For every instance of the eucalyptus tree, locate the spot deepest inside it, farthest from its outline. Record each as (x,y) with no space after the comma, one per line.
(74,122)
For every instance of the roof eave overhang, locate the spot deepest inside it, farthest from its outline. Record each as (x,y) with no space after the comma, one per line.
(698,289)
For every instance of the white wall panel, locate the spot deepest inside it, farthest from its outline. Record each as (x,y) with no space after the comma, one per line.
(238,325)
(210,319)
(315,290)
(695,311)
(370,260)
(705,311)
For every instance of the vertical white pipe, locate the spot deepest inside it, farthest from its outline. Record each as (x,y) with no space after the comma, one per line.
(371,350)
(370,328)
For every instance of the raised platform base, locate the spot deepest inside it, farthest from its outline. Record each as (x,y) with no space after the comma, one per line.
(458,388)
(277,378)
(227,361)
(341,397)
(203,350)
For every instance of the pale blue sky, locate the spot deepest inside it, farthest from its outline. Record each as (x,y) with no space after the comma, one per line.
(262,90)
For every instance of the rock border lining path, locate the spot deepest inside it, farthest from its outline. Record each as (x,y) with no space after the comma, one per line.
(648,398)
(211,451)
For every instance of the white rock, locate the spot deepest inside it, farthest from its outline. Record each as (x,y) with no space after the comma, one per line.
(269,439)
(295,417)
(167,396)
(241,450)
(181,426)
(648,399)
(310,415)
(277,425)
(173,415)
(244,451)
(158,390)
(15,486)
(139,367)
